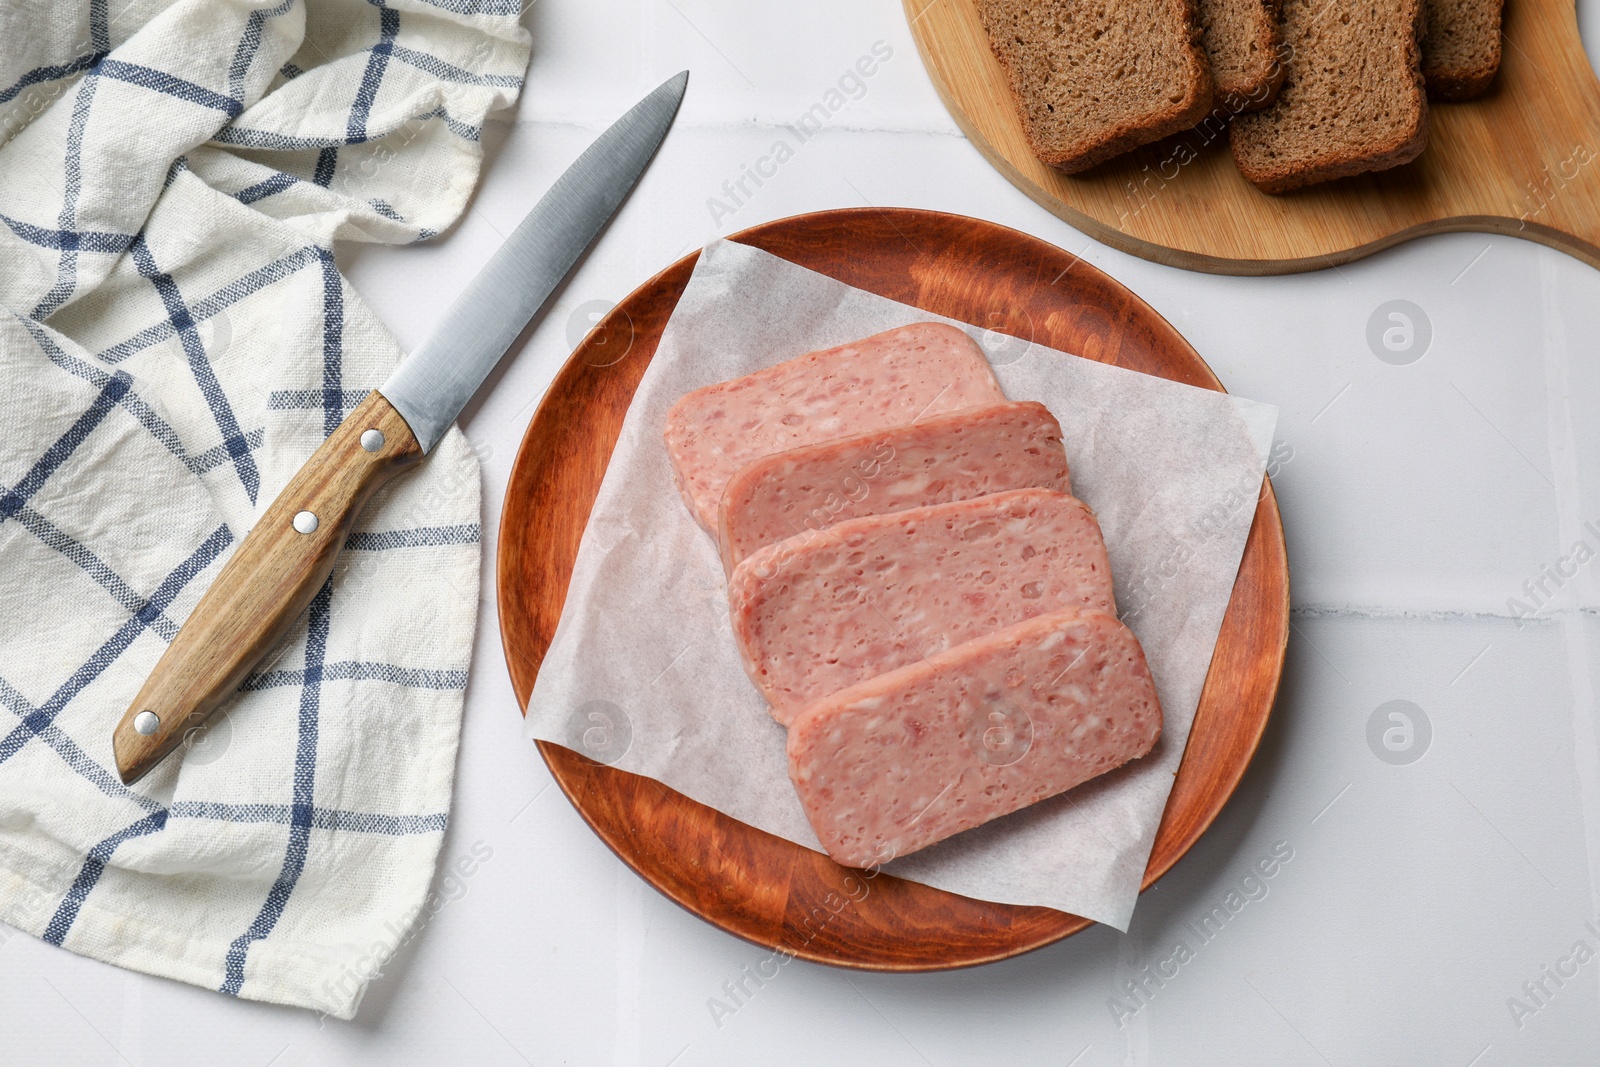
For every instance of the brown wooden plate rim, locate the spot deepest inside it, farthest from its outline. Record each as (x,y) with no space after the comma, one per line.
(563,762)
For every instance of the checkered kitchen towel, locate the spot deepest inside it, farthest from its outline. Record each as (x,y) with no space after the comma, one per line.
(175,340)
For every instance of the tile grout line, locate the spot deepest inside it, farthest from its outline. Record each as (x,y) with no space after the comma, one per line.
(1562,445)
(600,121)
(629,905)
(1452,615)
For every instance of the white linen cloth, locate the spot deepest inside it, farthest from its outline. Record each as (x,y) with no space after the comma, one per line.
(175,340)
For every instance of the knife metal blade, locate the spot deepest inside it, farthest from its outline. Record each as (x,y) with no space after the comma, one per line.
(432,386)
(290,552)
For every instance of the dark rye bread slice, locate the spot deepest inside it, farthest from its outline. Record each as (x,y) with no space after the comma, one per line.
(1461,49)
(1243,45)
(1351,102)
(1092,79)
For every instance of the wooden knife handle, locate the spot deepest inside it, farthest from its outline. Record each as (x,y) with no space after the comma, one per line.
(270,580)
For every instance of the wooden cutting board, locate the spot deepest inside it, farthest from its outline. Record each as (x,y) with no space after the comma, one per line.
(1522,160)
(763,888)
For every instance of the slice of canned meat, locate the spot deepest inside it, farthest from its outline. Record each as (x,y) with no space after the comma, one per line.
(822,611)
(900,761)
(889,379)
(1015,445)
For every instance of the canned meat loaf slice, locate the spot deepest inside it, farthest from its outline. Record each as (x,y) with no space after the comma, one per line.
(1015,445)
(898,762)
(820,612)
(887,379)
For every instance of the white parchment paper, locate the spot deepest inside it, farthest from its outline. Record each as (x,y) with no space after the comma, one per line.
(643,673)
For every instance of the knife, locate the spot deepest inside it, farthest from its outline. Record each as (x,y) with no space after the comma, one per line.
(289,553)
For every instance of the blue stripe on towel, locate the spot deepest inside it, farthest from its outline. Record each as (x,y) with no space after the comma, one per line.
(55,72)
(466,533)
(250,44)
(117,643)
(68,240)
(114,389)
(167,84)
(332,344)
(93,866)
(372,77)
(73,756)
(359,822)
(305,783)
(210,306)
(205,375)
(359,671)
(72,172)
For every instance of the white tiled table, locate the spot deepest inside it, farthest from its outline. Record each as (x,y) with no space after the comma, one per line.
(1418,501)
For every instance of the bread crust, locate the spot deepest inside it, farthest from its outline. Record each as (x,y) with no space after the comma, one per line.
(1462,84)
(1400,151)
(1123,136)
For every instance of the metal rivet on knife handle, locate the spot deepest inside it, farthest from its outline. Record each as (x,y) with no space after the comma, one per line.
(146,723)
(372,440)
(271,578)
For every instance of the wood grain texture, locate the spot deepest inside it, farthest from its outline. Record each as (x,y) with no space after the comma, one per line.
(747,882)
(1522,160)
(270,579)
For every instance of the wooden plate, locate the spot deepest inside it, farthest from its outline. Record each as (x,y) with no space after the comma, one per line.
(747,882)
(1523,160)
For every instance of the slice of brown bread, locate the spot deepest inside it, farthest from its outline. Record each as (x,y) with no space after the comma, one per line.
(1352,100)
(1461,49)
(1092,79)
(1244,46)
